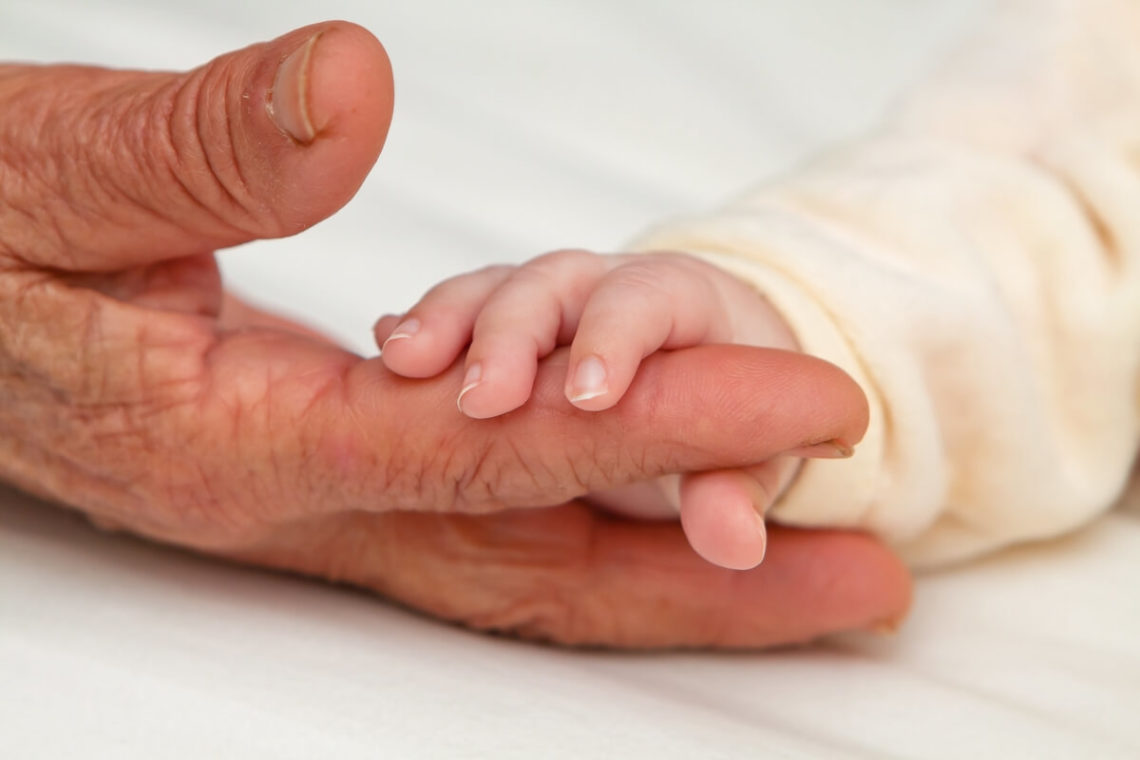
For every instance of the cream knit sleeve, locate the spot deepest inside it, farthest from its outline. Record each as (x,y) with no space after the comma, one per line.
(975,265)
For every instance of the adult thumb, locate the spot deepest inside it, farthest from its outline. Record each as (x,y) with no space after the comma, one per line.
(124,168)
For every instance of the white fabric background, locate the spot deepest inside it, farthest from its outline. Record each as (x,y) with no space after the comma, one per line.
(521,128)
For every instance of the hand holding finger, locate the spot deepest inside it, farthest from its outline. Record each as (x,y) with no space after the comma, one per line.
(430,336)
(572,576)
(660,301)
(527,317)
(115,186)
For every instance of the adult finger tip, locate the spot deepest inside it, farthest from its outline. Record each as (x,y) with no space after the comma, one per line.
(350,86)
(811,390)
(260,142)
(330,94)
(864,583)
(721,395)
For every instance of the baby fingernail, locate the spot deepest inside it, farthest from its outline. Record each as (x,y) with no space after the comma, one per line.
(589,380)
(288,104)
(405,329)
(761,537)
(470,380)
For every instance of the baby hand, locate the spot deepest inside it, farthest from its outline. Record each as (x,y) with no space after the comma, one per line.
(614,311)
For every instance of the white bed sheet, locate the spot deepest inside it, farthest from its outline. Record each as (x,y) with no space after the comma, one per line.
(531,126)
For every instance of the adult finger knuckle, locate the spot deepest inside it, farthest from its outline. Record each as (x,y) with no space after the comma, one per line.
(41,129)
(508,470)
(448,472)
(499,469)
(538,614)
(539,578)
(551,611)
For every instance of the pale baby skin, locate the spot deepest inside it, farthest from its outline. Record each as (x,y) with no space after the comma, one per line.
(612,311)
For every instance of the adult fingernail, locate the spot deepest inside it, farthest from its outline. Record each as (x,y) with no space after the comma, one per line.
(402,331)
(289,100)
(825,450)
(589,380)
(473,377)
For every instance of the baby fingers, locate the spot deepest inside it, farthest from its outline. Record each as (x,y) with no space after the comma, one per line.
(652,302)
(429,337)
(528,315)
(722,512)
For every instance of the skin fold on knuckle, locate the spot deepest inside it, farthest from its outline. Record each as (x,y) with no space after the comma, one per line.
(265,440)
(572,589)
(81,150)
(488,470)
(242,459)
(104,393)
(198,168)
(564,260)
(526,575)
(525,473)
(60,338)
(568,276)
(34,153)
(421,473)
(536,612)
(153,461)
(109,460)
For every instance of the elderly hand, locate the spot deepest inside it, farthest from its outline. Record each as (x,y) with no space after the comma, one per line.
(134,389)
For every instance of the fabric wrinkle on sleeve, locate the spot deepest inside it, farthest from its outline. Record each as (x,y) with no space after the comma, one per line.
(974,267)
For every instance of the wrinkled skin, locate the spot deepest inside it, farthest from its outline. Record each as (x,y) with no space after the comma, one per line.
(133,388)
